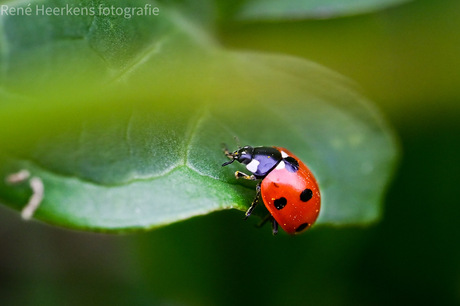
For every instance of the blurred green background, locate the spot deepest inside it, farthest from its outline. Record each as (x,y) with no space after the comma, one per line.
(406,59)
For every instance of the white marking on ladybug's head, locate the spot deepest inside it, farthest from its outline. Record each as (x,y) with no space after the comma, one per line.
(253,165)
(284,154)
(280,166)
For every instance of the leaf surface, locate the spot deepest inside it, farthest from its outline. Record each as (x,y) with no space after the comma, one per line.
(126,133)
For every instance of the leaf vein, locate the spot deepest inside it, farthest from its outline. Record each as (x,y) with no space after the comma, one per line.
(153,49)
(191,131)
(43,168)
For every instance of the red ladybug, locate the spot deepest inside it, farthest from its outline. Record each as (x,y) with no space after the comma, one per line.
(288,188)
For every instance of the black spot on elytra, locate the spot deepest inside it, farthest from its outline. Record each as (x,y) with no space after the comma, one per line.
(302,227)
(292,165)
(280,203)
(306,195)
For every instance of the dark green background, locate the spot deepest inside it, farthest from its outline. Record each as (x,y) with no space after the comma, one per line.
(407,61)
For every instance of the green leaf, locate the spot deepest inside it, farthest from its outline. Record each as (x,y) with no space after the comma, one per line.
(131,138)
(257,10)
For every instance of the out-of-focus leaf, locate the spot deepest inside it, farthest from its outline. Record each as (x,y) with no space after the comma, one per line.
(256,10)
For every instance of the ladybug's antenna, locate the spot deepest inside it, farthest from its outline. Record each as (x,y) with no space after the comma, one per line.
(228,154)
(228,163)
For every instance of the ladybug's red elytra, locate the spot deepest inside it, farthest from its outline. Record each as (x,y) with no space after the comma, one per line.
(288,188)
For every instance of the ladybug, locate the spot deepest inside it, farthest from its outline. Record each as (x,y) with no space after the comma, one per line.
(287,187)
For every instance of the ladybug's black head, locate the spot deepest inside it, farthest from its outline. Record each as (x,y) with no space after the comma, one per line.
(242,155)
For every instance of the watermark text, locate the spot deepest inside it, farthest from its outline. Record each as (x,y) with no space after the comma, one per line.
(70,10)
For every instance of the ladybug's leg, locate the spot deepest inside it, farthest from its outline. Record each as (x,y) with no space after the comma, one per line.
(254,203)
(274,223)
(274,226)
(264,220)
(239,174)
